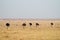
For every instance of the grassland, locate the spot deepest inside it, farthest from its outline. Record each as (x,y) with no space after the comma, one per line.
(44,31)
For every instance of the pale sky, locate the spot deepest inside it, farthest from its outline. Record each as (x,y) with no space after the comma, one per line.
(44,9)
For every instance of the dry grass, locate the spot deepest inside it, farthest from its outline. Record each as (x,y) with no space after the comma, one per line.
(45,31)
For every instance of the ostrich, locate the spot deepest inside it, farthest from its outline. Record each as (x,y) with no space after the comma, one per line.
(7,24)
(24,24)
(30,24)
(37,24)
(51,24)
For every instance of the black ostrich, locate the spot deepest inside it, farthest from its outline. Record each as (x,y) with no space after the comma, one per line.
(30,24)
(7,24)
(37,24)
(52,24)
(24,24)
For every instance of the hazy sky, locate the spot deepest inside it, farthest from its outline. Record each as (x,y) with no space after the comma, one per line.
(44,9)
